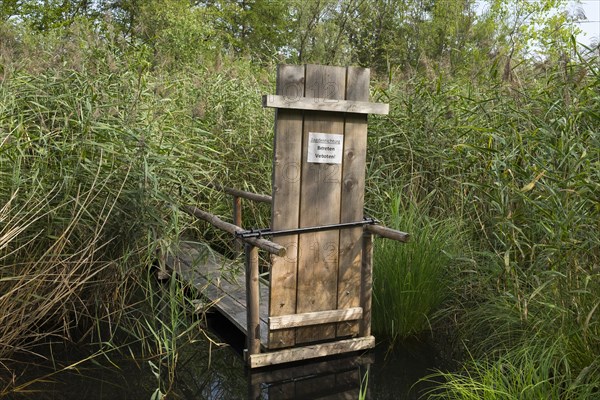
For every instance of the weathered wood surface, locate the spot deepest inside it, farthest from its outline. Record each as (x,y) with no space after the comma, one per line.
(285,211)
(314,318)
(366,287)
(352,200)
(252,299)
(238,244)
(320,205)
(325,104)
(388,233)
(322,270)
(311,351)
(221,281)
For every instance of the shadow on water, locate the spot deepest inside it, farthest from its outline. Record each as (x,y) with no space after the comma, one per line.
(206,370)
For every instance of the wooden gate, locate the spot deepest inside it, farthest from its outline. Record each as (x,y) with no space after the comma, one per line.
(318,179)
(319,293)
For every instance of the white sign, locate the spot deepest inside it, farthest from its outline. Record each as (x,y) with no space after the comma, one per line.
(325,148)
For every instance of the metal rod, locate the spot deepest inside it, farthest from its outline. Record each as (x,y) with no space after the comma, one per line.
(256,233)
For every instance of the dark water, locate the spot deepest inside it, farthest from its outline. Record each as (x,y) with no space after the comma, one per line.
(207,370)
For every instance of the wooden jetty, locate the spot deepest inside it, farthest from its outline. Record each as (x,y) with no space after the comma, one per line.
(316,301)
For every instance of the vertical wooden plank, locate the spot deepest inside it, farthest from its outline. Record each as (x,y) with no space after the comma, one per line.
(353,189)
(366,289)
(320,204)
(285,209)
(252,299)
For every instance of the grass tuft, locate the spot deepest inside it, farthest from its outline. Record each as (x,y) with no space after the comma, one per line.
(411,280)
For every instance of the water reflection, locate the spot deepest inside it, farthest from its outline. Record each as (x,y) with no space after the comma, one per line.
(211,372)
(338,378)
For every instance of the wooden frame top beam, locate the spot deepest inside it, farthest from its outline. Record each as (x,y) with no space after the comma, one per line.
(319,104)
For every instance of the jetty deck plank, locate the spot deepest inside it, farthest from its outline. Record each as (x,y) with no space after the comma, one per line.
(221,281)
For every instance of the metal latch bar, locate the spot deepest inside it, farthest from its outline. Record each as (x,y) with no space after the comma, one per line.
(257,233)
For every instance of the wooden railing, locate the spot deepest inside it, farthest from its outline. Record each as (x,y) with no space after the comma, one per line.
(251,246)
(238,195)
(272,248)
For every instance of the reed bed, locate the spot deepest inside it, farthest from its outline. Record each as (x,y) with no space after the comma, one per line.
(516,163)
(97,151)
(497,181)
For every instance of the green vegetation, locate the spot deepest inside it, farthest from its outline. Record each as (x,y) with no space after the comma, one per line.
(411,280)
(517,164)
(114,111)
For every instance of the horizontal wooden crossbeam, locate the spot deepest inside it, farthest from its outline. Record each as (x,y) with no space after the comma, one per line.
(314,318)
(318,104)
(310,352)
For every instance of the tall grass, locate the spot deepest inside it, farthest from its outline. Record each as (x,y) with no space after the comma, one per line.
(533,372)
(97,151)
(517,163)
(99,142)
(546,347)
(411,280)
(99,145)
(529,190)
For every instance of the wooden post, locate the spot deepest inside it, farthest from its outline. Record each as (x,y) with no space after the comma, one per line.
(237,220)
(366,287)
(252,299)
